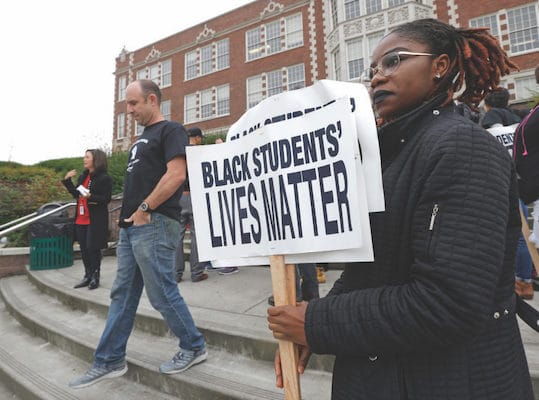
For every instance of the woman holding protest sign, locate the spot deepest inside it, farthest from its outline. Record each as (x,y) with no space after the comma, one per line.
(433,317)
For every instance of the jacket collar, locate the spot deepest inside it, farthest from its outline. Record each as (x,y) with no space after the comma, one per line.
(394,135)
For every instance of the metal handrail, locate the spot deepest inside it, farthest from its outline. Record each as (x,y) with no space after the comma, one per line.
(17,220)
(28,222)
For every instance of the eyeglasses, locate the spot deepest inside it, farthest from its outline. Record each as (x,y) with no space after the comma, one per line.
(388,64)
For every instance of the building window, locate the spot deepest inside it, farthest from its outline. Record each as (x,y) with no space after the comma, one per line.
(223,54)
(190,108)
(373,6)
(160,73)
(372,42)
(294,31)
(207,104)
(351,9)
(487,21)
(274,39)
(337,64)
(254,91)
(393,3)
(165,109)
(355,58)
(138,129)
(208,59)
(191,65)
(295,77)
(523,30)
(526,87)
(274,82)
(254,44)
(223,100)
(122,84)
(120,126)
(265,85)
(334,15)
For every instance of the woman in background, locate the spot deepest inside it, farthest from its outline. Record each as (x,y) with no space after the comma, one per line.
(93,193)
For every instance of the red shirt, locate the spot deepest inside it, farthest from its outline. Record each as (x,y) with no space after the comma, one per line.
(83,215)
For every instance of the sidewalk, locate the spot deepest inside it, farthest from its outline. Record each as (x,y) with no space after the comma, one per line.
(246,292)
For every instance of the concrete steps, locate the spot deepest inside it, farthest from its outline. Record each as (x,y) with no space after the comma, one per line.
(60,327)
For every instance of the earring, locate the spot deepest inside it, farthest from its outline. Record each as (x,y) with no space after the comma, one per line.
(438,76)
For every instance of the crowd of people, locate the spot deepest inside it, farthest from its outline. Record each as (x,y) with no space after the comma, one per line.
(434,315)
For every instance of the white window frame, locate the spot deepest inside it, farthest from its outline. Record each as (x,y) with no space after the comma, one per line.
(120,126)
(207,104)
(267,84)
(295,77)
(255,92)
(160,73)
(207,59)
(393,3)
(190,108)
(165,108)
(355,60)
(258,45)
(490,21)
(122,85)
(351,9)
(373,6)
(526,87)
(523,38)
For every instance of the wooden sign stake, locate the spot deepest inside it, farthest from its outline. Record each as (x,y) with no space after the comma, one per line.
(283,280)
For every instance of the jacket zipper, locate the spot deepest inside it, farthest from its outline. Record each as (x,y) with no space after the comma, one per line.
(433,216)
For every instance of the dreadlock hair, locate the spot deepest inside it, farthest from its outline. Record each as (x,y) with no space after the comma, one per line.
(477,60)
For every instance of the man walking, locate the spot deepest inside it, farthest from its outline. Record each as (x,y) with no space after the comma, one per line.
(149,234)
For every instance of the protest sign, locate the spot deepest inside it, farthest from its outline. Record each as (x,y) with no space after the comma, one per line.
(293,104)
(504,135)
(290,188)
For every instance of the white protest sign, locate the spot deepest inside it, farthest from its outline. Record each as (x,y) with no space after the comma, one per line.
(288,188)
(295,103)
(504,135)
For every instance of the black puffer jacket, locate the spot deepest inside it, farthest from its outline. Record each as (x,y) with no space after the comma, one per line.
(434,316)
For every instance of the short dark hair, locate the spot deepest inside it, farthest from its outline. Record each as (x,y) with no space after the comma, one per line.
(100,160)
(195,131)
(148,87)
(498,98)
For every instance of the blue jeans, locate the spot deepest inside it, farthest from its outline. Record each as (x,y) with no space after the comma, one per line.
(146,258)
(523,262)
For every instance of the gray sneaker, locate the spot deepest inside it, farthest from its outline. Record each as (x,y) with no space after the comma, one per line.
(182,360)
(96,374)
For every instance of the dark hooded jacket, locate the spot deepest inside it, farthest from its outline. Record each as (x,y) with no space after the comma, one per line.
(433,317)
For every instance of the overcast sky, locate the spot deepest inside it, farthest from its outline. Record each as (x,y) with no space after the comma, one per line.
(58,59)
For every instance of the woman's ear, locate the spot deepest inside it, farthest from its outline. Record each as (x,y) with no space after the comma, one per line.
(440,66)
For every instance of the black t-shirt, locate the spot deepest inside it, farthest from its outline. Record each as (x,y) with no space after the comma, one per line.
(148,157)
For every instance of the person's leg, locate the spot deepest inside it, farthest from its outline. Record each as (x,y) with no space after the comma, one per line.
(82,237)
(94,256)
(309,281)
(125,296)
(197,268)
(179,261)
(154,248)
